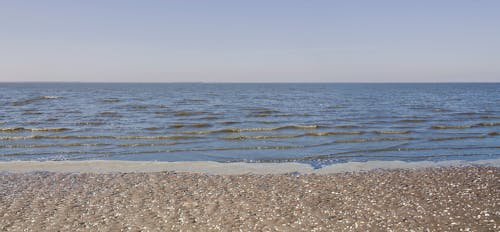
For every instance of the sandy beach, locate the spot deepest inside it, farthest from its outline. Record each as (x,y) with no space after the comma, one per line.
(250,116)
(423,199)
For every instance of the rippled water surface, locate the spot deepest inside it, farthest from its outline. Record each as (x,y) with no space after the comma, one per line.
(315,123)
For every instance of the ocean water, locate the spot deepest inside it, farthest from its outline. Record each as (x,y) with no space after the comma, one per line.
(313,123)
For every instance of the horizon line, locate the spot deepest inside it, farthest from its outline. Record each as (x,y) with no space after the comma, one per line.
(227,82)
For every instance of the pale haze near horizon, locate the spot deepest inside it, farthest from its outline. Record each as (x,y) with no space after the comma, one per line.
(250,41)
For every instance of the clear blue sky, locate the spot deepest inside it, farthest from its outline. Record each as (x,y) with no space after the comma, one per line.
(250,41)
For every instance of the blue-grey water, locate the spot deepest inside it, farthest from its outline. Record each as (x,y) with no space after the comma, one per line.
(314,123)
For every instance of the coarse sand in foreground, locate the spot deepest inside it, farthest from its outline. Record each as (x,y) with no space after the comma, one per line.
(435,199)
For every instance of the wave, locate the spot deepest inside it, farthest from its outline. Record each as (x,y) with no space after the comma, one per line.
(147,144)
(441,110)
(413,120)
(239,130)
(261,137)
(197,125)
(268,111)
(339,155)
(482,124)
(445,127)
(89,145)
(457,138)
(200,125)
(261,112)
(35,99)
(490,116)
(21,129)
(373,140)
(110,153)
(466,113)
(322,157)
(255,108)
(348,126)
(54,145)
(32,113)
(188,113)
(485,124)
(177,125)
(229,122)
(136,106)
(399,149)
(195,100)
(392,132)
(278,147)
(300,127)
(159,137)
(328,133)
(288,136)
(50,97)
(110,100)
(109,114)
(267,122)
(90,123)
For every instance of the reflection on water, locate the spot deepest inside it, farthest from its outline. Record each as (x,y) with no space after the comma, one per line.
(316,123)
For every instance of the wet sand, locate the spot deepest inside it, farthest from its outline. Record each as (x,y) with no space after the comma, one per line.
(435,199)
(209,167)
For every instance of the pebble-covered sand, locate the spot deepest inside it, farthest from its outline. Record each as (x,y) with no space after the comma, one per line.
(432,199)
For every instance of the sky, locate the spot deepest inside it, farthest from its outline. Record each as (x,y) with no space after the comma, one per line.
(250,41)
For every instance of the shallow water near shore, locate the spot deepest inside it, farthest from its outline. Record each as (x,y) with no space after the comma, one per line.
(318,124)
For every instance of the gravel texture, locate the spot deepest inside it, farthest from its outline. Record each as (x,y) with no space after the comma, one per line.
(431,199)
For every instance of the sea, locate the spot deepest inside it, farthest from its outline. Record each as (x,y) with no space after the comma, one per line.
(314,123)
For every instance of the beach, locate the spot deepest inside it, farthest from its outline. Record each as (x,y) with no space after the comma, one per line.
(250,116)
(427,198)
(249,157)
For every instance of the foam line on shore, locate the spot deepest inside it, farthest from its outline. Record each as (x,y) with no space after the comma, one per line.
(209,167)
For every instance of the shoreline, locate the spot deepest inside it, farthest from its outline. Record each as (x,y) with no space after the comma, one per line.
(216,168)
